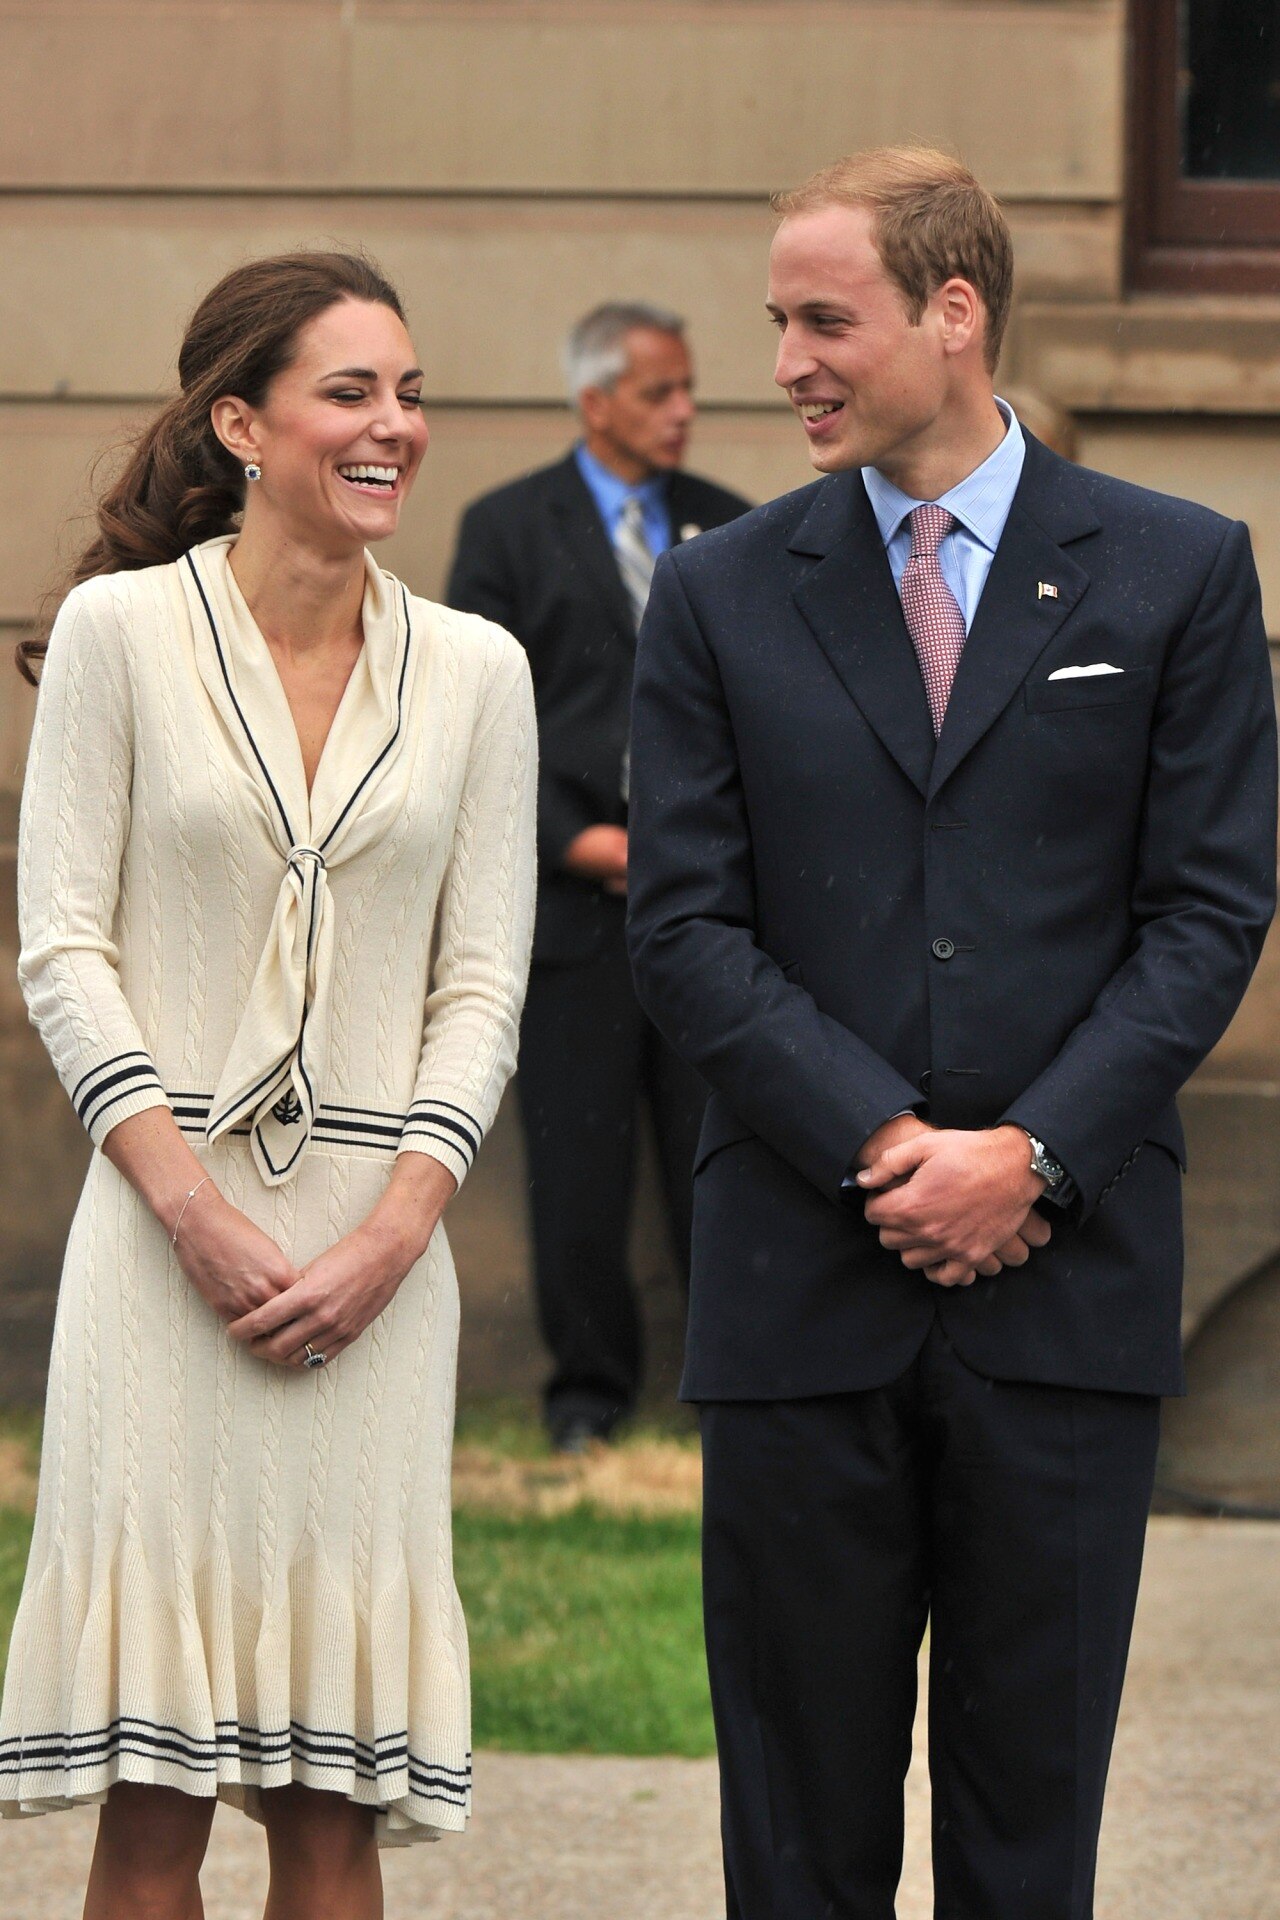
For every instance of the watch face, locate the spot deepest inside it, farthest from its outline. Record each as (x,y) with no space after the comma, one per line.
(1042,1162)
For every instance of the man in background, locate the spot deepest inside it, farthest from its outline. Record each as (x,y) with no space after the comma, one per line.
(563,559)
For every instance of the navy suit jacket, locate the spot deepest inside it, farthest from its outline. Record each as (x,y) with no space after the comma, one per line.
(535,557)
(1048,916)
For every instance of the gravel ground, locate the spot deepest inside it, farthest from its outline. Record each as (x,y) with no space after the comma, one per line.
(1190,1833)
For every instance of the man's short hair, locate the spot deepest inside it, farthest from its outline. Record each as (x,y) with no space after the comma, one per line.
(595,353)
(931,222)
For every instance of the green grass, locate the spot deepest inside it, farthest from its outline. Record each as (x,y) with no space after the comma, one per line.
(19,1454)
(15,1539)
(586,1633)
(22,1424)
(509,1426)
(514,1426)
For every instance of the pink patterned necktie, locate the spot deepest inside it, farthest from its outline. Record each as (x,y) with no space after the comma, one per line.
(933,617)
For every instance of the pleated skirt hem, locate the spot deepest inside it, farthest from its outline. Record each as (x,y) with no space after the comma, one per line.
(205,1690)
(413,1798)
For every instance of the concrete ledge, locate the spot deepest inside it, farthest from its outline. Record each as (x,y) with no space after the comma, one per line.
(1155,354)
(1232,1198)
(97,288)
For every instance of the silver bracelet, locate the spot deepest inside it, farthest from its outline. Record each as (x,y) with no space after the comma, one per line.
(186,1203)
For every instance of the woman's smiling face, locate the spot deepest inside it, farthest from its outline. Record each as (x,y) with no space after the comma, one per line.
(340,435)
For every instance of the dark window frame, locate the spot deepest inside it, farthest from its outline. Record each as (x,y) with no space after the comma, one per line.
(1194,236)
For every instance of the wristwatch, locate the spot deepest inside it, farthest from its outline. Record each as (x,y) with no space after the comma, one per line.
(1051,1171)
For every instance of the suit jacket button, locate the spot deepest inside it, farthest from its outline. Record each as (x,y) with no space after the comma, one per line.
(926,1081)
(943,948)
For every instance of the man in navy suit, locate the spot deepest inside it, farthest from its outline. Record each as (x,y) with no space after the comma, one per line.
(952,851)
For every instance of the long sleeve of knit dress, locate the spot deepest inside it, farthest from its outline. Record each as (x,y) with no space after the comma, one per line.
(484,933)
(74,826)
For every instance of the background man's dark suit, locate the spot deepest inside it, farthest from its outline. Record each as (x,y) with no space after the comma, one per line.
(1049,920)
(535,556)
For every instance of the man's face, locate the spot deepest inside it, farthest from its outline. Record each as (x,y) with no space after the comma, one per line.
(866,384)
(644,420)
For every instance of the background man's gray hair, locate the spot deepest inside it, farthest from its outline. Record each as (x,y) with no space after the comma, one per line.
(594,354)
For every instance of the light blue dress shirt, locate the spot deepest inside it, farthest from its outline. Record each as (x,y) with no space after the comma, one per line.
(612,494)
(981,506)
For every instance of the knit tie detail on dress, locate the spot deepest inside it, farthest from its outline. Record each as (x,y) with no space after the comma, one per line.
(931,611)
(289,996)
(275,1072)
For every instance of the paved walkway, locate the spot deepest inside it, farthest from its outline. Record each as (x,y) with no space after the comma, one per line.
(1191,1830)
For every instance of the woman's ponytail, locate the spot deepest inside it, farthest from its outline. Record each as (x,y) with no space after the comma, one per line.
(181,486)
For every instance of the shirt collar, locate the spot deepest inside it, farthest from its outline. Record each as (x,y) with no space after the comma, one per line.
(980,502)
(610,489)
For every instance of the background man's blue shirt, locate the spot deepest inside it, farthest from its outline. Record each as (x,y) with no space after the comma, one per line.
(612,494)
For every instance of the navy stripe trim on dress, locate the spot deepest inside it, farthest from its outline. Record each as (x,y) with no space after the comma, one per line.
(373,1127)
(343,1127)
(148,1739)
(134,1053)
(242,1104)
(127,1094)
(122,1076)
(425,1130)
(404,668)
(441,1114)
(349,1126)
(300,1149)
(217,643)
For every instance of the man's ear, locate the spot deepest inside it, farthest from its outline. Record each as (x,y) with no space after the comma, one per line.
(962,313)
(593,405)
(233,423)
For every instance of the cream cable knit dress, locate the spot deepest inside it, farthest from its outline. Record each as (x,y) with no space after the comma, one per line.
(241,1574)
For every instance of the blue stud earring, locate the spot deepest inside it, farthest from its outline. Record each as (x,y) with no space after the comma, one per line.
(253,471)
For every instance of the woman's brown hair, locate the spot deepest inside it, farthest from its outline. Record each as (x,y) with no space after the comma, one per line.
(181,485)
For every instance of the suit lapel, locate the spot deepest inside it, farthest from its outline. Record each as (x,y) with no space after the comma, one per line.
(851,605)
(583,535)
(1014,621)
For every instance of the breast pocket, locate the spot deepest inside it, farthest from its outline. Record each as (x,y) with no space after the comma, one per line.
(1091,690)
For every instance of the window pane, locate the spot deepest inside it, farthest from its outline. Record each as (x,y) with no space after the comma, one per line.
(1230,89)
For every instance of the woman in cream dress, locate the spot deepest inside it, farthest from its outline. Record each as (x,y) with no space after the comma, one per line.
(276,890)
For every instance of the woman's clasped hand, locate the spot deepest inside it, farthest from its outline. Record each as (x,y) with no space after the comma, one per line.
(331,1302)
(232,1264)
(277,1309)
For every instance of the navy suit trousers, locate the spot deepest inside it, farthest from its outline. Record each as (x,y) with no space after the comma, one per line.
(1009,1518)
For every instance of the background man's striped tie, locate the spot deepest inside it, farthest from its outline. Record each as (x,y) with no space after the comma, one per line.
(635,559)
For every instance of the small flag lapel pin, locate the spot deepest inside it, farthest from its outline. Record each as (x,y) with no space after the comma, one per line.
(1045,590)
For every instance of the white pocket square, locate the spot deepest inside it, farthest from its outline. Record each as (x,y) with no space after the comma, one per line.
(1084,673)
